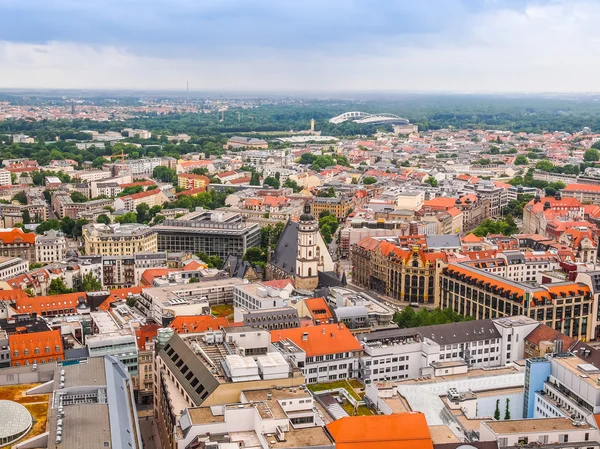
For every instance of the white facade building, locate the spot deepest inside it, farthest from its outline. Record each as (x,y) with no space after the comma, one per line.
(50,247)
(12,266)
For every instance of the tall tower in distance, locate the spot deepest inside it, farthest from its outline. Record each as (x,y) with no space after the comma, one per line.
(307,259)
(72,107)
(312,125)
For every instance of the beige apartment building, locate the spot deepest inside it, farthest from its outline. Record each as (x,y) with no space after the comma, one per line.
(119,240)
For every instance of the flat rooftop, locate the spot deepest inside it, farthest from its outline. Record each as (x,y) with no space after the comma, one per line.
(442,434)
(307,437)
(83,374)
(85,426)
(204,415)
(278,395)
(582,368)
(188,291)
(534,425)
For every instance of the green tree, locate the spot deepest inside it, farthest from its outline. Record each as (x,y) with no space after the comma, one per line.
(78,197)
(58,287)
(211,261)
(67,224)
(507,409)
(26,217)
(591,155)
(254,179)
(103,218)
(255,254)
(194,280)
(330,221)
(129,217)
(78,227)
(408,318)
(131,301)
(52,224)
(504,226)
(521,160)
(291,184)
(271,181)
(368,180)
(545,165)
(164,174)
(89,283)
(143,213)
(497,411)
(327,193)
(431,181)
(99,162)
(20,197)
(130,190)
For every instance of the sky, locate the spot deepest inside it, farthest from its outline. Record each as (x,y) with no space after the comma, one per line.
(302,45)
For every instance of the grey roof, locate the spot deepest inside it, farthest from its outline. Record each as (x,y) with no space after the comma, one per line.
(236,266)
(595,277)
(78,353)
(329,279)
(514,257)
(445,334)
(284,256)
(443,241)
(465,331)
(207,382)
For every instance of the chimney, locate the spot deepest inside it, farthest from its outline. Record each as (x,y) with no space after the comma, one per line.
(305,336)
(323,331)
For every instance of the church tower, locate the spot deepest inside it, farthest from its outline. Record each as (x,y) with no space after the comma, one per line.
(307,259)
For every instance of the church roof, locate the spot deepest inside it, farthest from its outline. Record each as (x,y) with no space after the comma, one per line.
(284,256)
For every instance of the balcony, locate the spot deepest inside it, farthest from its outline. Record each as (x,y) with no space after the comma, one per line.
(566,402)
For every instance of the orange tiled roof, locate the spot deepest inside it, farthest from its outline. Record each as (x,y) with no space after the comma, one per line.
(279,283)
(319,310)
(582,188)
(189,192)
(395,431)
(546,333)
(41,341)
(135,196)
(16,236)
(472,238)
(322,340)
(46,304)
(441,202)
(197,323)
(146,333)
(139,183)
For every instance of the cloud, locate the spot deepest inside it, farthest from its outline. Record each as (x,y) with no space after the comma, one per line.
(311,45)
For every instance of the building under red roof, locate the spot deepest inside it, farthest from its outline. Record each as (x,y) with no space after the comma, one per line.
(184,324)
(395,431)
(319,340)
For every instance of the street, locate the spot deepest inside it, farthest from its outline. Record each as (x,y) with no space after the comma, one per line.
(149,431)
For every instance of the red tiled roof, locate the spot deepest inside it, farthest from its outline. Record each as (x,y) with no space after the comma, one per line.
(546,333)
(194,323)
(278,283)
(321,340)
(40,341)
(16,235)
(135,196)
(49,304)
(319,310)
(582,188)
(396,431)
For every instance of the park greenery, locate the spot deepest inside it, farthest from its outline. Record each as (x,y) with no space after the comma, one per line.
(408,318)
(504,226)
